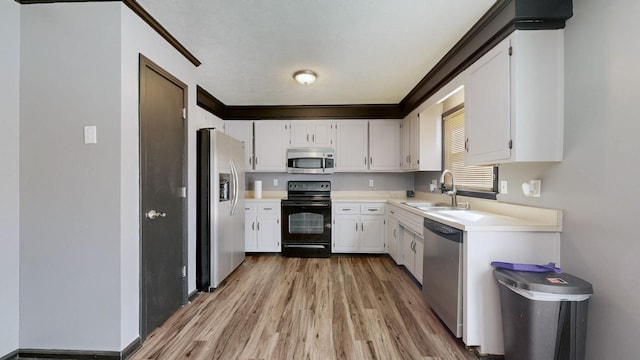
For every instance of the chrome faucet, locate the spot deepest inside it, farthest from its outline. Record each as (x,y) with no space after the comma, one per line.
(453,192)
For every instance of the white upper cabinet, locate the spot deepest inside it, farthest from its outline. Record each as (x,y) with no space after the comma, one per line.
(271,142)
(385,145)
(243,131)
(514,100)
(422,140)
(368,145)
(430,139)
(352,146)
(410,138)
(313,133)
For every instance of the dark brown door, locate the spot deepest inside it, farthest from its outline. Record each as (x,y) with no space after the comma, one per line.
(163,196)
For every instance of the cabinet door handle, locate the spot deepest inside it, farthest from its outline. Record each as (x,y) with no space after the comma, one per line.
(365,160)
(258,226)
(253,225)
(356,226)
(370,160)
(307,137)
(346,209)
(466,144)
(313,138)
(394,232)
(250,161)
(268,208)
(256,161)
(361,226)
(372,209)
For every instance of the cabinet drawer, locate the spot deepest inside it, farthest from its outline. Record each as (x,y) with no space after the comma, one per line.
(346,208)
(269,208)
(372,209)
(250,208)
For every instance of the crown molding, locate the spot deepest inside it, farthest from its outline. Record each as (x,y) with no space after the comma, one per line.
(143,14)
(497,23)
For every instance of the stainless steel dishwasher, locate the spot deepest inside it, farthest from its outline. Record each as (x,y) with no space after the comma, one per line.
(442,273)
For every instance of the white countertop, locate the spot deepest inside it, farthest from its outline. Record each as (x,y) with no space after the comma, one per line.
(485,215)
(478,220)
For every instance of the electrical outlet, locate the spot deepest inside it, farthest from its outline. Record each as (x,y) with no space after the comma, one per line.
(275,182)
(503,187)
(535,187)
(371,182)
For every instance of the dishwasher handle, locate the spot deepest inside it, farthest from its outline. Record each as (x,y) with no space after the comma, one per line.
(445,231)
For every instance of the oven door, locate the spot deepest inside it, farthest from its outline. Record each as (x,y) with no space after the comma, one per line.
(306,228)
(306,222)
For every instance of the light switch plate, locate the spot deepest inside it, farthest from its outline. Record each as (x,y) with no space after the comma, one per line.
(275,182)
(90,135)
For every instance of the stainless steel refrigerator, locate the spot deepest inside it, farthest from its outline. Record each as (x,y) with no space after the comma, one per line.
(220,206)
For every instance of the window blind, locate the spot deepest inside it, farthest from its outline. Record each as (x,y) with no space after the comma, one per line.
(466,177)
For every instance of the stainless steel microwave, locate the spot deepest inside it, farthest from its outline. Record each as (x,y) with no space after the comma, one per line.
(310,161)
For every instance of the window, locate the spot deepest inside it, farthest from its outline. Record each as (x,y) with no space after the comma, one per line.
(479,181)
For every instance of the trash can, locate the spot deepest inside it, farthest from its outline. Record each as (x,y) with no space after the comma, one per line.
(544,314)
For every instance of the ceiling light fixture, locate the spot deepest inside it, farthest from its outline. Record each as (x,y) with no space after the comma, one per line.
(305,77)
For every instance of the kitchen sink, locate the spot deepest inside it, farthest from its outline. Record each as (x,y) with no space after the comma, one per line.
(425,204)
(430,206)
(464,215)
(438,208)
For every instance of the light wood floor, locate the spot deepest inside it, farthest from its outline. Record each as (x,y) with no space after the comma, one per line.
(274,307)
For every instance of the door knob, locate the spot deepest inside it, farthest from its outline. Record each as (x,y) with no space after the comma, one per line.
(152,214)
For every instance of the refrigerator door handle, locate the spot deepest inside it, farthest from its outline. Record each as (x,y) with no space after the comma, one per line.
(235,180)
(233,187)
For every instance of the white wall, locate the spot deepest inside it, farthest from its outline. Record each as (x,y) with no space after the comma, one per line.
(9,180)
(596,183)
(80,67)
(69,198)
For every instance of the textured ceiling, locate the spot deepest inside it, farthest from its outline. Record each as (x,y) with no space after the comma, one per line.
(364,51)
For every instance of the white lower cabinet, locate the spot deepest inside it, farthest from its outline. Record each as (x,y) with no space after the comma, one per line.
(262,226)
(358,227)
(413,247)
(393,236)
(419,257)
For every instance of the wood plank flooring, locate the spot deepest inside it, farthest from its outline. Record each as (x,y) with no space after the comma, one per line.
(274,307)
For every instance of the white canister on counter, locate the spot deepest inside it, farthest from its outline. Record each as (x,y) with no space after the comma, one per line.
(257,189)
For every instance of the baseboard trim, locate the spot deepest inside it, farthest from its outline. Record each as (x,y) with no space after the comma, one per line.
(10,356)
(194,294)
(131,348)
(76,354)
(68,354)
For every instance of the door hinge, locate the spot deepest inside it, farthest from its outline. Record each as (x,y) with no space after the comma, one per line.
(510,144)
(184,271)
(183,192)
(184,113)
(510,50)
